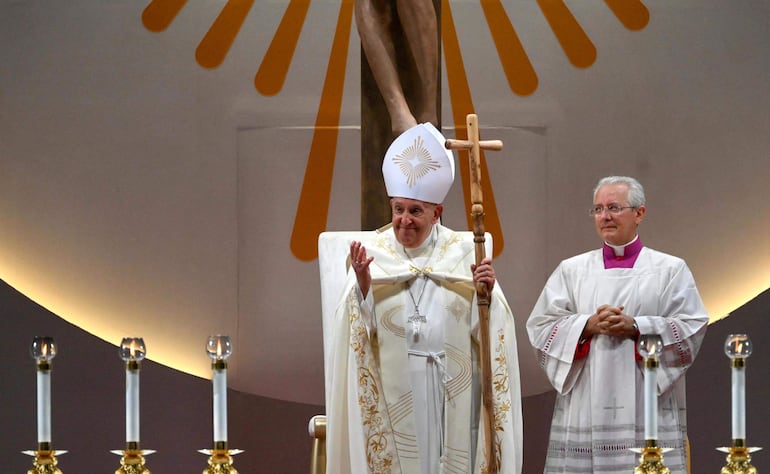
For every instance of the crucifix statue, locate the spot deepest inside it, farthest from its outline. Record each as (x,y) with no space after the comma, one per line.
(474,146)
(400,77)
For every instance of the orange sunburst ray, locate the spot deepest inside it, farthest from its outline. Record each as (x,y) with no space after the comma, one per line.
(521,76)
(160,13)
(579,49)
(631,13)
(275,65)
(462,103)
(313,206)
(214,46)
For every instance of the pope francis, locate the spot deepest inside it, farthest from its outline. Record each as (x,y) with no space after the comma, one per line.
(403,382)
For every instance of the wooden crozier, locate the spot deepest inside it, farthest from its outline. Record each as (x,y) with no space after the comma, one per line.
(473,145)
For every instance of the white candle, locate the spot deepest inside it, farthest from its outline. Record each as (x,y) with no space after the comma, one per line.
(219,349)
(739,401)
(132,404)
(650,403)
(132,351)
(44,406)
(220,404)
(738,348)
(43,350)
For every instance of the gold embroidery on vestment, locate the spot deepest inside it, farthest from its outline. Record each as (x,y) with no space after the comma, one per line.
(378,450)
(500,387)
(458,308)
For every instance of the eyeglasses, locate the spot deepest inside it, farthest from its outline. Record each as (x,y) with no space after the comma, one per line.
(613,209)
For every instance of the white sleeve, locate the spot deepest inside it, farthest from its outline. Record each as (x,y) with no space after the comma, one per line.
(367,310)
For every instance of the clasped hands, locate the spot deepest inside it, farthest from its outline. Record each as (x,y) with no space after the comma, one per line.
(609,321)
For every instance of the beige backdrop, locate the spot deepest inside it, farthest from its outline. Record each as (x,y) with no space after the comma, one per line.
(142,194)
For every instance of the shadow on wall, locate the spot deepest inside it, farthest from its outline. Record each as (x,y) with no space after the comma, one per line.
(88,390)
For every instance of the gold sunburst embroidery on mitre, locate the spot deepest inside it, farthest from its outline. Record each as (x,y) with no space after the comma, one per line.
(424,163)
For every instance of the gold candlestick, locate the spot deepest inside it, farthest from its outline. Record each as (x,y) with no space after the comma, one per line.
(738,458)
(220,459)
(132,459)
(45,460)
(651,459)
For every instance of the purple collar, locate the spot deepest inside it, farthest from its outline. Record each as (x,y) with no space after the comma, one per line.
(627,260)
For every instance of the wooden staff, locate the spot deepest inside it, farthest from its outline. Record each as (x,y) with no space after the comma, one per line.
(474,147)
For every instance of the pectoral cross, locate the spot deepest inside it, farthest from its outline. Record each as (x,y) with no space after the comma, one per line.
(415,320)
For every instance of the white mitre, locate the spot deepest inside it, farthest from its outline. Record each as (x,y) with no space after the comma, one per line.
(418,166)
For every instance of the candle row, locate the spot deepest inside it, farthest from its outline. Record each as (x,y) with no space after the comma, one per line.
(738,347)
(132,350)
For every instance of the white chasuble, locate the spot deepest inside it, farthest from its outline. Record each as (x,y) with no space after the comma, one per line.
(406,396)
(599,411)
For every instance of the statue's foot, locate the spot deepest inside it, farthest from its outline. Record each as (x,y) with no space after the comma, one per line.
(400,125)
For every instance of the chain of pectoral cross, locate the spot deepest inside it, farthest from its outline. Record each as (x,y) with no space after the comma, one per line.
(416,319)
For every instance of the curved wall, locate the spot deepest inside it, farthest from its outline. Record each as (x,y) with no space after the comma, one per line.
(88,403)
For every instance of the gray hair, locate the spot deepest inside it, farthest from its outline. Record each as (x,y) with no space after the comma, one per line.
(635,189)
